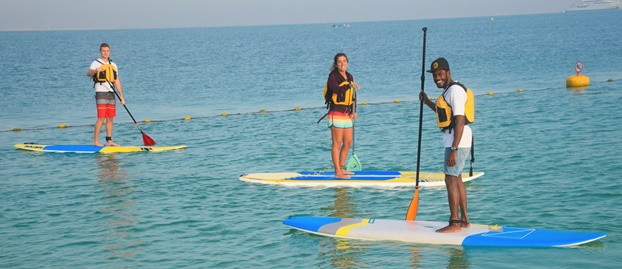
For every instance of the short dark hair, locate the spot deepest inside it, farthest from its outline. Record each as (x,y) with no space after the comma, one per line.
(104,45)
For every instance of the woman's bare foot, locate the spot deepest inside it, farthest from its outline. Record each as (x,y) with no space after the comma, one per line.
(342,175)
(453,227)
(345,171)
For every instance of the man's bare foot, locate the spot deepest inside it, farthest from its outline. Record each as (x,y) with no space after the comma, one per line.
(465,223)
(98,144)
(453,227)
(111,143)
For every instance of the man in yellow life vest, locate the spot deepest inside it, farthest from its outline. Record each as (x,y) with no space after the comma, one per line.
(454,109)
(105,75)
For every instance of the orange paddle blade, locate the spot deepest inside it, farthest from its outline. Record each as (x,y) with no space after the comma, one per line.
(148,141)
(411,214)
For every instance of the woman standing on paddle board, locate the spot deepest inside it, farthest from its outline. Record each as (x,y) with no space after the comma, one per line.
(340,97)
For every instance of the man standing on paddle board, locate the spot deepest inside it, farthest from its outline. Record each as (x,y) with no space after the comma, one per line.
(340,97)
(105,73)
(453,110)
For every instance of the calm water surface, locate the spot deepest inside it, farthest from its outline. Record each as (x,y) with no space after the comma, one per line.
(551,155)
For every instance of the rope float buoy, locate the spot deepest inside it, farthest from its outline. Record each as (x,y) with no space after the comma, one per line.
(223,114)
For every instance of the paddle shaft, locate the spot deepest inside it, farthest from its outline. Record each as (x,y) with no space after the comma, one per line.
(147,140)
(128,111)
(353,121)
(425,29)
(411,213)
(353,164)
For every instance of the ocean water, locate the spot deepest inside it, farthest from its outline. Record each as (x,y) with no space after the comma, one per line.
(551,155)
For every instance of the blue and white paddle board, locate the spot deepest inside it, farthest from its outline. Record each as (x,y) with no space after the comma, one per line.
(424,232)
(92,149)
(365,178)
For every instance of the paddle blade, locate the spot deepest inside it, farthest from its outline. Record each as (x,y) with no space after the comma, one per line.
(411,214)
(148,141)
(354,164)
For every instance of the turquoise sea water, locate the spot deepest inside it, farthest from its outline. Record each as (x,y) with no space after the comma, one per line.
(551,155)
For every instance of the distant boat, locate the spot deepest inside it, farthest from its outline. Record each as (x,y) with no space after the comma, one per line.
(341,25)
(595,5)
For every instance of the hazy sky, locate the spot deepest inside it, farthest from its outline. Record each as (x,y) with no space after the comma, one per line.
(114,14)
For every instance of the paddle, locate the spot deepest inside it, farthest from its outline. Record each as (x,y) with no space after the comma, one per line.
(148,141)
(411,214)
(354,164)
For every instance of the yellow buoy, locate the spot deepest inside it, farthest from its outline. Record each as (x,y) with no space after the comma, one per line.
(187,118)
(62,125)
(577,81)
(17,129)
(364,103)
(262,111)
(519,90)
(298,108)
(491,93)
(224,114)
(397,101)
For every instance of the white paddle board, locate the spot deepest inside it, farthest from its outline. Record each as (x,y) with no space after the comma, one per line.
(424,232)
(366,178)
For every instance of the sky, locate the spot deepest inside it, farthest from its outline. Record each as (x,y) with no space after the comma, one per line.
(133,14)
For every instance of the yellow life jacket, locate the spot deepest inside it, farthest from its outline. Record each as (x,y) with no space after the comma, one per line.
(444,114)
(108,73)
(345,99)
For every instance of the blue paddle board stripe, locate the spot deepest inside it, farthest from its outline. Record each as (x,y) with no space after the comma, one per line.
(525,237)
(311,178)
(359,175)
(312,224)
(73,148)
(364,172)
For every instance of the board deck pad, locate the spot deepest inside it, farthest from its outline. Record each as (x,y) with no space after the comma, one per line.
(424,232)
(92,148)
(359,178)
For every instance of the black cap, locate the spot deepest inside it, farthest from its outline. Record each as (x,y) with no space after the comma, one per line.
(439,64)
